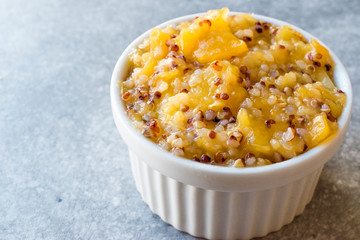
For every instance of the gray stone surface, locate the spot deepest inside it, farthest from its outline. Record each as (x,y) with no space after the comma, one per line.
(64,170)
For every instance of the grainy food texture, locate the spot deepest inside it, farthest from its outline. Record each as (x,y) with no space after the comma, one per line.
(232,90)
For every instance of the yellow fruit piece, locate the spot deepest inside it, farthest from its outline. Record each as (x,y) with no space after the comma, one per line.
(239,163)
(318,130)
(179,120)
(209,38)
(219,19)
(189,37)
(254,59)
(258,139)
(157,43)
(241,21)
(291,148)
(229,76)
(286,33)
(321,54)
(319,48)
(219,45)
(287,80)
(169,76)
(281,56)
(243,119)
(148,68)
(173,103)
(211,145)
(308,91)
(300,50)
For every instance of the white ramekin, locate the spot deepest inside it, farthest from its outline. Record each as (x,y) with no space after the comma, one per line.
(222,202)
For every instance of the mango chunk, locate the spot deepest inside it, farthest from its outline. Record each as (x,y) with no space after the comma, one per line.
(286,33)
(219,45)
(209,38)
(287,80)
(148,68)
(243,119)
(219,19)
(189,37)
(157,43)
(319,130)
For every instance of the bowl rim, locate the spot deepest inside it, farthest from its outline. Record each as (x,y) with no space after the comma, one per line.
(314,156)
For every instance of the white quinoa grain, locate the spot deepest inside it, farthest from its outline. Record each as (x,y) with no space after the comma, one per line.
(129,83)
(256,113)
(301,131)
(219,128)
(247,103)
(255,92)
(301,64)
(223,122)
(306,78)
(290,109)
(276,92)
(238,134)
(272,100)
(264,67)
(269,57)
(238,163)
(233,142)
(325,108)
(172,137)
(278,157)
(194,81)
(289,134)
(275,143)
(250,160)
(273,73)
(177,143)
(178,152)
(288,91)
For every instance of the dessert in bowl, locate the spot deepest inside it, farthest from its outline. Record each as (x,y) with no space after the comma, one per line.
(229,120)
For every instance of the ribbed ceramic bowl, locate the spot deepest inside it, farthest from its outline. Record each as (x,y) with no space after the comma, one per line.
(223,202)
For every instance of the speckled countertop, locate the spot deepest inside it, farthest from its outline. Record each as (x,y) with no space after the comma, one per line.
(64,170)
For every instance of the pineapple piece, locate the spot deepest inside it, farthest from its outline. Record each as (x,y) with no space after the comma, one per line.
(281,56)
(210,38)
(308,91)
(241,21)
(336,109)
(212,146)
(287,80)
(148,68)
(319,130)
(324,53)
(218,45)
(243,122)
(169,75)
(300,50)
(319,48)
(290,149)
(189,37)
(323,77)
(170,109)
(239,163)
(219,19)
(258,139)
(179,120)
(243,119)
(157,43)
(286,33)
(174,102)
(254,59)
